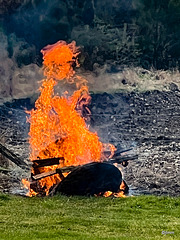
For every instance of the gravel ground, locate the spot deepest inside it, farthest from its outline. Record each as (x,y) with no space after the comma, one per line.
(147,122)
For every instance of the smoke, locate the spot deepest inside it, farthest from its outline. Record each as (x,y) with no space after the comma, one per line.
(99,27)
(18,75)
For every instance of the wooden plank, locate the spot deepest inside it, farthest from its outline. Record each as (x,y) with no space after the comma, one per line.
(46,162)
(43,175)
(118,152)
(48,174)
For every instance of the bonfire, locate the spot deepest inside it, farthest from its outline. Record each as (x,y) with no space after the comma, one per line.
(59,124)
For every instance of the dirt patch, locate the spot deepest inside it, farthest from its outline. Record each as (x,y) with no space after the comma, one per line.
(147,122)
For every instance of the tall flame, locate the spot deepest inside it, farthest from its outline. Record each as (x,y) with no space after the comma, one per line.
(57,128)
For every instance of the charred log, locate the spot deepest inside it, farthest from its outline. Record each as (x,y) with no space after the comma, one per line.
(123,159)
(46,162)
(91,179)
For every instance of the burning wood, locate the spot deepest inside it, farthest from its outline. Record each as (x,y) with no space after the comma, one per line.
(58,128)
(79,171)
(123,189)
(46,162)
(120,160)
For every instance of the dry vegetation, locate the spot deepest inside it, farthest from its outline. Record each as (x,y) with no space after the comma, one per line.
(135,79)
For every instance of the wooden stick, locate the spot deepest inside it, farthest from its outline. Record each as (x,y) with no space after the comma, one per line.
(120,159)
(12,157)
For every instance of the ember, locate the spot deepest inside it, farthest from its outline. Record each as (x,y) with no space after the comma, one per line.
(58,127)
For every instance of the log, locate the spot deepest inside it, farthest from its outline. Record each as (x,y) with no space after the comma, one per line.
(90,179)
(12,157)
(46,162)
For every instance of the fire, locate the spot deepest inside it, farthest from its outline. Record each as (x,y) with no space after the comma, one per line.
(120,193)
(27,186)
(57,125)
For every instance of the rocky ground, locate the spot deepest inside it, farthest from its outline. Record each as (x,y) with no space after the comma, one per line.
(147,122)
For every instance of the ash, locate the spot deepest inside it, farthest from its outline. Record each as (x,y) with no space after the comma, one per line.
(147,122)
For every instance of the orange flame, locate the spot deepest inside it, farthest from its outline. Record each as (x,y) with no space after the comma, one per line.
(120,193)
(57,124)
(56,127)
(27,186)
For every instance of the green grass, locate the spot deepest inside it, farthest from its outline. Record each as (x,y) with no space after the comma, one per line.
(60,217)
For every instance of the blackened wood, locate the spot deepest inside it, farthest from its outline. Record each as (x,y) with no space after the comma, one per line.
(119,159)
(60,173)
(90,179)
(37,188)
(46,162)
(118,152)
(12,157)
(50,173)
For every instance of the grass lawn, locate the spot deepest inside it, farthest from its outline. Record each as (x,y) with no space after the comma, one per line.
(60,217)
